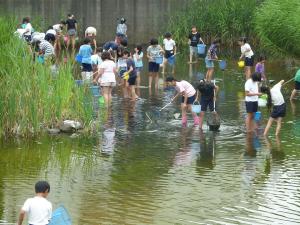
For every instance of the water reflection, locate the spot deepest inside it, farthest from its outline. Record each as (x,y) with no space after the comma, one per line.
(205,159)
(107,142)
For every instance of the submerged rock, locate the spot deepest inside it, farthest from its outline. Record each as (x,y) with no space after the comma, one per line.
(53,131)
(70,126)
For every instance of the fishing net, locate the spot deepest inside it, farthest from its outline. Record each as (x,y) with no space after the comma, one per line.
(213,121)
(60,217)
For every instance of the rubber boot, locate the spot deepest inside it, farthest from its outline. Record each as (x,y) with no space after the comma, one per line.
(184,121)
(196,120)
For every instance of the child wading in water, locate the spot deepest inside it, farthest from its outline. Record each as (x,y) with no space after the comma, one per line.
(38,208)
(153,51)
(188,93)
(210,58)
(138,60)
(208,92)
(131,80)
(279,106)
(251,100)
(260,68)
(248,54)
(297,85)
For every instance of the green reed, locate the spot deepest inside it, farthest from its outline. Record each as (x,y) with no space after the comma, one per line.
(227,19)
(31,96)
(277,25)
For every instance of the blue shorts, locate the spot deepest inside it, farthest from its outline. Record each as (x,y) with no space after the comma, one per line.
(249,61)
(209,63)
(251,107)
(86,67)
(207,103)
(153,67)
(278,111)
(131,80)
(297,85)
(138,69)
(190,100)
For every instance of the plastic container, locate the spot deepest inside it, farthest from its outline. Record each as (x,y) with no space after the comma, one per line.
(95,90)
(41,59)
(241,64)
(78,58)
(79,82)
(257,116)
(171,60)
(262,102)
(159,59)
(201,48)
(222,64)
(196,107)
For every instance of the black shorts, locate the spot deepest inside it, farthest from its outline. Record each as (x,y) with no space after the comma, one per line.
(251,107)
(297,85)
(190,100)
(168,54)
(207,103)
(249,61)
(131,80)
(278,111)
(153,67)
(86,67)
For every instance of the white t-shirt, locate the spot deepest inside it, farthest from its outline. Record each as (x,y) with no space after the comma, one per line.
(108,76)
(244,50)
(184,86)
(57,28)
(51,31)
(169,44)
(90,31)
(96,59)
(277,98)
(39,210)
(251,87)
(28,29)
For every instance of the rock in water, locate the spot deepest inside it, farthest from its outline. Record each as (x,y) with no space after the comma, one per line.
(70,126)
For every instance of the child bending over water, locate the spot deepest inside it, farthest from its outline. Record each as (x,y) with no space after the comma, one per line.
(188,93)
(279,106)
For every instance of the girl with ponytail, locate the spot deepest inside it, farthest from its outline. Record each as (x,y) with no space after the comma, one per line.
(275,97)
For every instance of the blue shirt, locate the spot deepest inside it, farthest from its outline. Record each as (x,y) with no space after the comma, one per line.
(138,62)
(86,52)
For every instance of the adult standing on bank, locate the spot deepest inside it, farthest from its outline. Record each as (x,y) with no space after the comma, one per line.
(71,30)
(248,55)
(194,39)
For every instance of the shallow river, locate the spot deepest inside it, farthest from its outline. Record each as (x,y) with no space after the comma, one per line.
(134,171)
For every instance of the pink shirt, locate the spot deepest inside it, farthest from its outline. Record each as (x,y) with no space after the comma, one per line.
(184,86)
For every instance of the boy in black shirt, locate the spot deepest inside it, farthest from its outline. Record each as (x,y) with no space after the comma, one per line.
(194,39)
(71,30)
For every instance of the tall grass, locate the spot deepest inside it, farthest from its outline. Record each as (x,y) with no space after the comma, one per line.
(31,98)
(277,23)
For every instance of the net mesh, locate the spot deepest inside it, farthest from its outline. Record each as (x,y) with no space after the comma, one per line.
(60,217)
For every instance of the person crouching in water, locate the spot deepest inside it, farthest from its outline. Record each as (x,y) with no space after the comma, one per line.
(279,106)
(188,93)
(251,100)
(208,92)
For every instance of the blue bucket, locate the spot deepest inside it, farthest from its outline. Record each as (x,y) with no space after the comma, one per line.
(222,64)
(159,59)
(201,48)
(171,60)
(95,91)
(78,58)
(196,107)
(60,217)
(79,82)
(257,116)
(41,59)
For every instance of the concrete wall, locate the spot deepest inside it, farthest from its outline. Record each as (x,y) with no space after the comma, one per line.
(145,18)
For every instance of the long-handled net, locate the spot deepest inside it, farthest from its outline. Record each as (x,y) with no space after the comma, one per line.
(214,120)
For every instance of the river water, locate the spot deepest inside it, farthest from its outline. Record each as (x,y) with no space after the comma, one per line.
(134,171)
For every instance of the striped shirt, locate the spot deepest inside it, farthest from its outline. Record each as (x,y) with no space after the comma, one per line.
(47,48)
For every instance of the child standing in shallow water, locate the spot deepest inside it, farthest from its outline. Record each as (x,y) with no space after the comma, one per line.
(188,93)
(260,67)
(138,60)
(38,208)
(279,106)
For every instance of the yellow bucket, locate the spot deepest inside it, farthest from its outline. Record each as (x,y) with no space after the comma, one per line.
(126,76)
(241,64)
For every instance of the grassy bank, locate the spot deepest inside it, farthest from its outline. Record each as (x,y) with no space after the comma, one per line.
(31,97)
